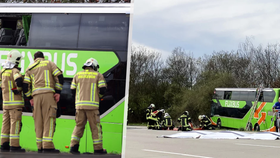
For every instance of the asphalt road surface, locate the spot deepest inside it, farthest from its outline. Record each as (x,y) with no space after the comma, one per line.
(144,143)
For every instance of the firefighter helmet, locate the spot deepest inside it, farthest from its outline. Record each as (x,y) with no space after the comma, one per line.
(186,113)
(14,57)
(162,110)
(166,115)
(200,117)
(152,106)
(91,63)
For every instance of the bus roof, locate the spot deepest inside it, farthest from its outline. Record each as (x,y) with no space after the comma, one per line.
(65,8)
(243,89)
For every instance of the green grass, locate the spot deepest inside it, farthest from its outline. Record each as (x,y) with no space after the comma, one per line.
(137,124)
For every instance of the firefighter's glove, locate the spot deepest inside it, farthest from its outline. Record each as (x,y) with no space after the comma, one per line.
(15,91)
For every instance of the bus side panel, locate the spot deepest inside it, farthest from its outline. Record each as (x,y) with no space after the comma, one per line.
(113,129)
(112,134)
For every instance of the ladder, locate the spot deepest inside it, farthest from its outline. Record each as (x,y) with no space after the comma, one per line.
(259,90)
(272,120)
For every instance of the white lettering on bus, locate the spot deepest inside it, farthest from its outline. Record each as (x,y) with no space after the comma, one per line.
(49,57)
(232,104)
(72,64)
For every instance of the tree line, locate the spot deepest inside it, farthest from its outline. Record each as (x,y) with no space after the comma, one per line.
(183,82)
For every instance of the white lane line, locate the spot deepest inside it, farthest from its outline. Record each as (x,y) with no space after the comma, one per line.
(165,152)
(259,145)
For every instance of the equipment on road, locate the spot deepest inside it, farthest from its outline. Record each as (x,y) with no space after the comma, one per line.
(259,90)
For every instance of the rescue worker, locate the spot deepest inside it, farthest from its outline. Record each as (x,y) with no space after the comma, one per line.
(276,110)
(42,85)
(150,120)
(185,122)
(167,122)
(156,116)
(11,84)
(205,123)
(86,86)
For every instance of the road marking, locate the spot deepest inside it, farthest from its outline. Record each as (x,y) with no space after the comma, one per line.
(259,145)
(165,152)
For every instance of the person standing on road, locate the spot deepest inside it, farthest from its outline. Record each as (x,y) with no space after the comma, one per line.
(276,110)
(11,84)
(86,86)
(42,86)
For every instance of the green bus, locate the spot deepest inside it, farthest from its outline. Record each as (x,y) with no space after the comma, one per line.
(68,35)
(231,108)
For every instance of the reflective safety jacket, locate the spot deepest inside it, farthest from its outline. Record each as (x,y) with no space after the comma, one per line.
(205,123)
(8,82)
(42,75)
(184,120)
(87,84)
(167,122)
(148,113)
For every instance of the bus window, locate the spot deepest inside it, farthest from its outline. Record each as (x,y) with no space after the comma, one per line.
(243,95)
(104,31)
(227,95)
(269,96)
(261,98)
(251,96)
(54,30)
(218,95)
(235,95)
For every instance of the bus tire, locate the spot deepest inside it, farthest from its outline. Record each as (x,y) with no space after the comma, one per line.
(256,127)
(219,124)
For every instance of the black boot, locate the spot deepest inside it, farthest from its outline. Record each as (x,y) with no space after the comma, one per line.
(16,149)
(51,151)
(99,152)
(75,149)
(5,147)
(40,150)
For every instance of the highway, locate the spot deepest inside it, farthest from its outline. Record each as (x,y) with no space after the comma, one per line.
(144,143)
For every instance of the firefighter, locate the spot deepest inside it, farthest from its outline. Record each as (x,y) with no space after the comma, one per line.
(149,118)
(157,117)
(167,122)
(185,122)
(87,85)
(11,84)
(46,80)
(205,122)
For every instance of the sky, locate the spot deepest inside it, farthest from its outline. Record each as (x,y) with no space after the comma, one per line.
(204,26)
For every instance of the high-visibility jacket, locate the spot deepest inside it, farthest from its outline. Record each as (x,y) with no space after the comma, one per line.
(205,123)
(148,112)
(184,120)
(11,79)
(167,122)
(43,76)
(87,84)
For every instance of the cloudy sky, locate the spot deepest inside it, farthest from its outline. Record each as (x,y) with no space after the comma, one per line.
(204,26)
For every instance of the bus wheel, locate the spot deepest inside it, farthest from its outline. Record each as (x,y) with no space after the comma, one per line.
(256,127)
(219,124)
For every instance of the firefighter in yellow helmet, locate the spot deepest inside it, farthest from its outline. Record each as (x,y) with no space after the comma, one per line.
(87,85)
(11,84)
(42,85)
